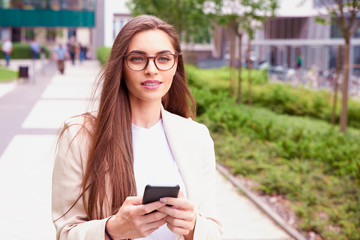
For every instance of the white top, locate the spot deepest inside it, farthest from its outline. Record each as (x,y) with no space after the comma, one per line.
(154,164)
(7,46)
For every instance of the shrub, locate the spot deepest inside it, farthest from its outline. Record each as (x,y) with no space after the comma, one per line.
(102,54)
(278,97)
(22,51)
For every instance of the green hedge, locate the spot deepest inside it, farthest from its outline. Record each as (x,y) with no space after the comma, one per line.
(22,51)
(217,79)
(283,98)
(294,137)
(278,97)
(102,54)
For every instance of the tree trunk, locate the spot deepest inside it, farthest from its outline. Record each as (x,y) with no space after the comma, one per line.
(231,36)
(336,80)
(249,64)
(345,84)
(239,93)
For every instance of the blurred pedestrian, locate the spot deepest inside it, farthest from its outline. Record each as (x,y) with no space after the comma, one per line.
(298,61)
(35,49)
(141,134)
(82,54)
(60,54)
(72,49)
(7,49)
(43,58)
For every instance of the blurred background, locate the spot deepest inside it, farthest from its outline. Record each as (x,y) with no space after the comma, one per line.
(276,81)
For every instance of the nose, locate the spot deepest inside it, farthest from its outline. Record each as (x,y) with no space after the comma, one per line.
(151,67)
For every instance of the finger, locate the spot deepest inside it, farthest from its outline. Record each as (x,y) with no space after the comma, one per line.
(150,207)
(181,195)
(176,222)
(175,213)
(156,224)
(180,203)
(151,227)
(133,200)
(153,217)
(178,230)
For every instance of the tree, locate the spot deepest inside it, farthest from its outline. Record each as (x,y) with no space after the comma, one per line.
(187,16)
(343,13)
(249,67)
(243,17)
(336,84)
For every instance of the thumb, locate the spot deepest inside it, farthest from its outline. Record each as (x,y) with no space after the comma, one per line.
(133,200)
(181,195)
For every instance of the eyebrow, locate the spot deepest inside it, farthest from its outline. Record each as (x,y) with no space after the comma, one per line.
(157,53)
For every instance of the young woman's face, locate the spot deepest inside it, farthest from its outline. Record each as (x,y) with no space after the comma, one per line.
(151,83)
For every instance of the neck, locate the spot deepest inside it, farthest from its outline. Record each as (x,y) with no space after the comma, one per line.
(146,115)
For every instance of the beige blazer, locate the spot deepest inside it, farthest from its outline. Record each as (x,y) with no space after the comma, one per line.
(193,151)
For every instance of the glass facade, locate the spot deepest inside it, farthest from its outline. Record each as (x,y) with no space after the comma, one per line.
(336,33)
(285,28)
(326,3)
(47,13)
(323,3)
(49,4)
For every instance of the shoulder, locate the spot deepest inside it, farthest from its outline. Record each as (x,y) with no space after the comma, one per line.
(184,125)
(79,128)
(84,120)
(74,141)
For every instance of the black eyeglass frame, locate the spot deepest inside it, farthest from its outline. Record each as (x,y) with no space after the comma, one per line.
(153,57)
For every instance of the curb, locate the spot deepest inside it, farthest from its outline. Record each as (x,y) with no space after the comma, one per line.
(262,206)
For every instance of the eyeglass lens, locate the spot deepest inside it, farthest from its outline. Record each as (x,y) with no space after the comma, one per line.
(139,62)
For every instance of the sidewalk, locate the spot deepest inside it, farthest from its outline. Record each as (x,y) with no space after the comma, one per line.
(31,114)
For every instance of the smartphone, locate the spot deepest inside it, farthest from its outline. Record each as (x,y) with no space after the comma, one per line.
(154,193)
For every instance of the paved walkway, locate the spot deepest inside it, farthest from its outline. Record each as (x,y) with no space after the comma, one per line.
(30,115)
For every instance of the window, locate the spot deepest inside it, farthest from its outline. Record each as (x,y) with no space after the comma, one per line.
(29,34)
(51,35)
(71,32)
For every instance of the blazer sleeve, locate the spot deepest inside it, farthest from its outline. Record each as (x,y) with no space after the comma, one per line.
(68,210)
(207,223)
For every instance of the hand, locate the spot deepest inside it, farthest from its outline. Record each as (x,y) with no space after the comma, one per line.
(131,221)
(181,216)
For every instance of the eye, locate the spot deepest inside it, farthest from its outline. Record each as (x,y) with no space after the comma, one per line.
(137,58)
(164,58)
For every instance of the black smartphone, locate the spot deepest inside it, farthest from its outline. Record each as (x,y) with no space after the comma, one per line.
(154,193)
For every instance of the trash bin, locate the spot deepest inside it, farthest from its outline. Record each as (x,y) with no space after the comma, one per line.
(24,72)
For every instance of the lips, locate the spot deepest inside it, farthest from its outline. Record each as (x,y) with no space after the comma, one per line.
(151,84)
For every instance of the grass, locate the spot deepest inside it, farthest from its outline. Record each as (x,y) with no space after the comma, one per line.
(7,75)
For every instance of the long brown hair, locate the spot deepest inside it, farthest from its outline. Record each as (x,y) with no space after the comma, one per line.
(109,175)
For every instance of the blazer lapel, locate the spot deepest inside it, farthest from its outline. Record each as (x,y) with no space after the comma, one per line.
(176,135)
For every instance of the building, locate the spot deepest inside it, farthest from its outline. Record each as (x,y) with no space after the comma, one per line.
(47,21)
(295,32)
(93,23)
(111,15)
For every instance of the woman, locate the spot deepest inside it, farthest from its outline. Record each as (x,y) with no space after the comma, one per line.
(141,134)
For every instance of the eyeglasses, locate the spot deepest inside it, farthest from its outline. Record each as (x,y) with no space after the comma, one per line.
(138,61)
